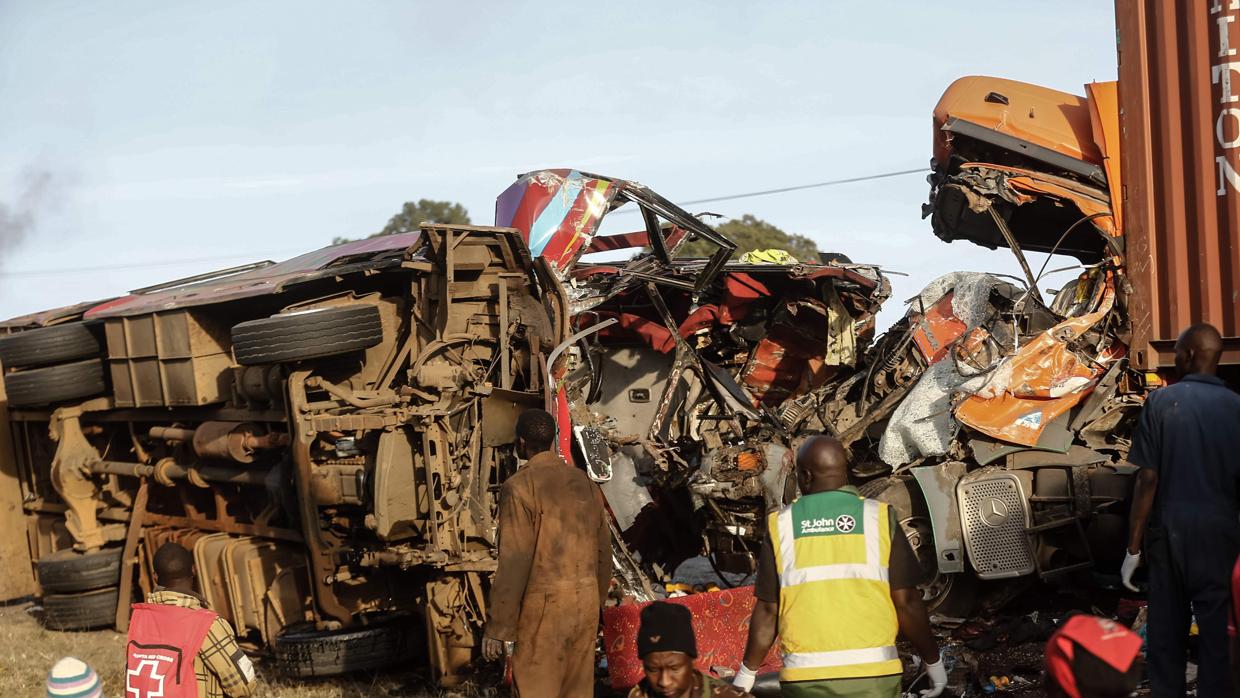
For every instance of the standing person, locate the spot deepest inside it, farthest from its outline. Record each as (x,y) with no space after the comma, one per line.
(837,579)
(174,626)
(554,568)
(1186,515)
(667,647)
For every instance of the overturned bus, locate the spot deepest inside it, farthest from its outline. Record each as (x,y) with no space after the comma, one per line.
(328,434)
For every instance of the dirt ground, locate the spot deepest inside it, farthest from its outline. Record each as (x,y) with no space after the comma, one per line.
(27,651)
(992,642)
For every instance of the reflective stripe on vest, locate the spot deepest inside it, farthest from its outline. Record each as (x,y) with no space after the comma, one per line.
(836,617)
(873,567)
(869,655)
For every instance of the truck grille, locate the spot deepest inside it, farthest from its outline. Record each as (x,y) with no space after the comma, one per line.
(995,515)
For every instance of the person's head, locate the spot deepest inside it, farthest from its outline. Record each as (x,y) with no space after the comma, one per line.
(822,465)
(71,676)
(535,433)
(174,567)
(1198,349)
(1092,657)
(667,648)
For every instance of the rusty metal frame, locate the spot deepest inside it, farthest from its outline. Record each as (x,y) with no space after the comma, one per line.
(322,566)
(664,246)
(129,556)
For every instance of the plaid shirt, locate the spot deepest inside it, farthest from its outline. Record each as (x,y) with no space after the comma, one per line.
(222,669)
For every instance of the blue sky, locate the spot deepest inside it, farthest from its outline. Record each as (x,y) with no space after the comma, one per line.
(183,137)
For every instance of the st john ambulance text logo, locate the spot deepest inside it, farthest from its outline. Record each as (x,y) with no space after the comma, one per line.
(840,524)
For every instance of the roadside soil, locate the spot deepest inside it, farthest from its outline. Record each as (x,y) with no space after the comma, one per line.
(28,651)
(1004,637)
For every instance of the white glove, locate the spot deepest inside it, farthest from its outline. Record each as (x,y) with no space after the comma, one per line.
(744,678)
(938,679)
(1131,562)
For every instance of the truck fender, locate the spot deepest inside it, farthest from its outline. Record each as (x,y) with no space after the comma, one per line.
(938,488)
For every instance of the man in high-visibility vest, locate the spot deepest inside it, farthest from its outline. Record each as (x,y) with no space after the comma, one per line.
(837,580)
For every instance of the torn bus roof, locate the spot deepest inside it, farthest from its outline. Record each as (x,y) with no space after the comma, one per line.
(559,213)
(262,278)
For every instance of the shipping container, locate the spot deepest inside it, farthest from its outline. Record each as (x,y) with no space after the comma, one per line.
(1180,141)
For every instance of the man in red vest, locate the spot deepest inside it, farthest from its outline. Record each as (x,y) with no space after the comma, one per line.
(177,647)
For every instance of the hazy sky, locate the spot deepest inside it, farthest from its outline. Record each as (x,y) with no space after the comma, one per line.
(145,141)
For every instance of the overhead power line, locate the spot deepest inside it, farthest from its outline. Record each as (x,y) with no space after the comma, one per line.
(799,187)
(709,200)
(142,265)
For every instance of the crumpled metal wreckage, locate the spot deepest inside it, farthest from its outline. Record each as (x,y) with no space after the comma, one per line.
(678,371)
(994,419)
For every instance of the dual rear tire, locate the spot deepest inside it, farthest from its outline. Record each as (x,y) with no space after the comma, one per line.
(52,364)
(80,590)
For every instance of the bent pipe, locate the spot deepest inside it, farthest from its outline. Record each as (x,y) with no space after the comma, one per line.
(176,471)
(560,349)
(343,393)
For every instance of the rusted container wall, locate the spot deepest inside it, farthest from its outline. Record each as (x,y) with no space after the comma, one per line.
(1179,95)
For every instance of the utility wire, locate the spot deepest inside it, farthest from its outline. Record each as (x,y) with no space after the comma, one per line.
(139,265)
(783,190)
(799,187)
(710,200)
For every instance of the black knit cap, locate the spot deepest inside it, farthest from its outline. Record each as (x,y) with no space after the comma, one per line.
(666,627)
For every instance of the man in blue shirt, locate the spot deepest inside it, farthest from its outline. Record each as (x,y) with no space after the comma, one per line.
(1187,494)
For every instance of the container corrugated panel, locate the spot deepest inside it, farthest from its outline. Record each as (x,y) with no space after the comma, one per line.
(1179,95)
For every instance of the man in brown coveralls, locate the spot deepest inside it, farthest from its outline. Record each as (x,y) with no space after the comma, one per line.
(554,568)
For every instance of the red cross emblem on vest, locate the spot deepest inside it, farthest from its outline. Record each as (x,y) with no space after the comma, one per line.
(147,679)
(163,641)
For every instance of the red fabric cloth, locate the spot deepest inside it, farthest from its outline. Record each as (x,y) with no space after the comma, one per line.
(159,656)
(1105,639)
(654,334)
(739,292)
(720,625)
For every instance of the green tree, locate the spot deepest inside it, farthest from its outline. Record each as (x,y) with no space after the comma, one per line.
(411,215)
(752,233)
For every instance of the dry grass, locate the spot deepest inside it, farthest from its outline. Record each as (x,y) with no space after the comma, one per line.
(27,651)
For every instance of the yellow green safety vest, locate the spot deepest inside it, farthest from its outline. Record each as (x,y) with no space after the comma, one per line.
(836,617)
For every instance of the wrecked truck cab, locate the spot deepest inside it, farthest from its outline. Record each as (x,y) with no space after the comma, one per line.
(1009,429)
(1019,166)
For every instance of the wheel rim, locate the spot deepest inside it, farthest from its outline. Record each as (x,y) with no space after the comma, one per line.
(920,534)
